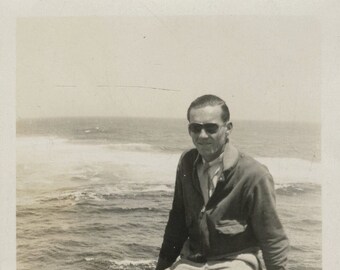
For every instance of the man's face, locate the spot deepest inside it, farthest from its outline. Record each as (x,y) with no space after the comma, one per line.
(209,145)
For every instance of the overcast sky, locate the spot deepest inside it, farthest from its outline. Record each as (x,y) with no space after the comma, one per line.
(266,68)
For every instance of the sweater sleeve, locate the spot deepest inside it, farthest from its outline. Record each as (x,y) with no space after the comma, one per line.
(176,231)
(266,223)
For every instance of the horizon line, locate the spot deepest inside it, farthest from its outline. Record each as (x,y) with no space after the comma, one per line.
(155,117)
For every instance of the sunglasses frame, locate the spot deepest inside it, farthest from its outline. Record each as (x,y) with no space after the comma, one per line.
(204,126)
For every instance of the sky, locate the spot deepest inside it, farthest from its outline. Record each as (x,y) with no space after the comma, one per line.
(264,67)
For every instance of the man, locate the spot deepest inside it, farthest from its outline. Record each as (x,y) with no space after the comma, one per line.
(223,210)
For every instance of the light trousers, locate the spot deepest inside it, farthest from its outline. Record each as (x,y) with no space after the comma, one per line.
(240,262)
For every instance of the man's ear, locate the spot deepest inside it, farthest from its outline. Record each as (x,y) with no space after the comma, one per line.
(229,128)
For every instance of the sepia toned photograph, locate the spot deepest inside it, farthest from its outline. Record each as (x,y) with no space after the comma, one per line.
(117,116)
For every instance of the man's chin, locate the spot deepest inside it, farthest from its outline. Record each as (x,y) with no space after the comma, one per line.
(206,154)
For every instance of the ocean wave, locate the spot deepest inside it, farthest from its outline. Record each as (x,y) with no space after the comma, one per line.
(22,212)
(133,147)
(125,264)
(296,188)
(74,196)
(46,142)
(65,155)
(296,248)
(310,222)
(133,160)
(132,264)
(117,209)
(107,193)
(92,130)
(160,188)
(92,197)
(144,147)
(287,170)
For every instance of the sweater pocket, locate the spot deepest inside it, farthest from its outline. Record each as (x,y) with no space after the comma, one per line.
(230,227)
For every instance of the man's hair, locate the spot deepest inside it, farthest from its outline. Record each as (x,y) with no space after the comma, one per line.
(210,100)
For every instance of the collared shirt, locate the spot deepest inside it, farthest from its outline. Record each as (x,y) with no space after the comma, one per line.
(208,174)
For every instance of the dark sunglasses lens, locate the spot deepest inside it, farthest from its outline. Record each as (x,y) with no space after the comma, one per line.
(195,128)
(211,128)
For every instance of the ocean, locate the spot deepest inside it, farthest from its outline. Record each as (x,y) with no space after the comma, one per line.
(95,193)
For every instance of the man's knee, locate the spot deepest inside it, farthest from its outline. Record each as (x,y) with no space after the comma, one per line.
(184,264)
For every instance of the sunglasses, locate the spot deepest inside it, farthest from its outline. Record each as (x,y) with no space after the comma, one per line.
(210,128)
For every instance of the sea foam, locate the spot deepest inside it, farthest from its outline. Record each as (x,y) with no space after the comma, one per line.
(135,161)
(293,170)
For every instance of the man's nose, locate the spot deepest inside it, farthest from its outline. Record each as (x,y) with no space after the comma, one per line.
(203,134)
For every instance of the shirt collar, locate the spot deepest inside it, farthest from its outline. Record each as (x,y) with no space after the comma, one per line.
(230,156)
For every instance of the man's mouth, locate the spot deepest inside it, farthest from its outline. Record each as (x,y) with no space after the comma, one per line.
(204,143)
